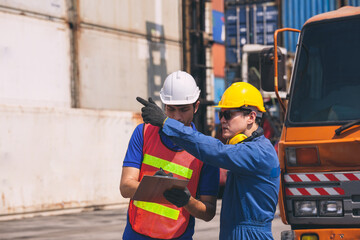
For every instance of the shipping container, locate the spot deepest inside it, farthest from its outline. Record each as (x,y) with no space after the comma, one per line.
(124,46)
(54,63)
(294,14)
(58,158)
(236,2)
(34,61)
(116,68)
(116,45)
(218,5)
(354,3)
(134,16)
(48,8)
(220,88)
(248,24)
(218,27)
(218,53)
(232,74)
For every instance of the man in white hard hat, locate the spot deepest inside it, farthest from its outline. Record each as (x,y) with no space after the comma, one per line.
(152,153)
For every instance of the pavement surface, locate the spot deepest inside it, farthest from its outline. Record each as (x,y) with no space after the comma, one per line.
(99,225)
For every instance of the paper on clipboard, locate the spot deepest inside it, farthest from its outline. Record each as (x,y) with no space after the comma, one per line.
(151,188)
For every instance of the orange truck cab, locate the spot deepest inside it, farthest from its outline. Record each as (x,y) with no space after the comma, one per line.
(319,149)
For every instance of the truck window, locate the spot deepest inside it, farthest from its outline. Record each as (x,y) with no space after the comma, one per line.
(326,82)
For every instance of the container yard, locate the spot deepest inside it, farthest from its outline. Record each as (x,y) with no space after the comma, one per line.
(70,72)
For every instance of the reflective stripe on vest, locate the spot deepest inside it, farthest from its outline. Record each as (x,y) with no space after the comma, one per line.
(168,166)
(158,209)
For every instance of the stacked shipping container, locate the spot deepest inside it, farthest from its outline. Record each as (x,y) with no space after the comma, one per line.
(247,22)
(253,23)
(294,14)
(94,55)
(218,51)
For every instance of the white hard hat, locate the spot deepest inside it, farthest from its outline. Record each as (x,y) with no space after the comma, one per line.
(179,89)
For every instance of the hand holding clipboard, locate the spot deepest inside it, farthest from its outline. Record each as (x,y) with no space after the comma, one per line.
(151,188)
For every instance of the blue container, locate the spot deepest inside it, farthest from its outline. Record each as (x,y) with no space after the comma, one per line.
(219,89)
(232,74)
(218,27)
(232,54)
(246,1)
(354,3)
(248,24)
(265,24)
(295,13)
(219,84)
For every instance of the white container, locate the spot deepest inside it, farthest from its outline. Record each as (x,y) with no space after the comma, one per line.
(54,158)
(114,68)
(53,8)
(34,61)
(133,16)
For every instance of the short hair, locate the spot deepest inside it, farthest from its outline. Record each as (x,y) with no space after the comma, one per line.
(246,111)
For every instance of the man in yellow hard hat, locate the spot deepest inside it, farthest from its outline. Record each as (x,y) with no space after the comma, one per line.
(152,153)
(252,186)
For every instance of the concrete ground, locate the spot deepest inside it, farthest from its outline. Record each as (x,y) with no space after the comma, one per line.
(98,225)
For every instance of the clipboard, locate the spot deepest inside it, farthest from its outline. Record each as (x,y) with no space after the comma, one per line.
(151,188)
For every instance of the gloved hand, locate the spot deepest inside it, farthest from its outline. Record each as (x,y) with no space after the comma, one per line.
(161,172)
(178,197)
(151,113)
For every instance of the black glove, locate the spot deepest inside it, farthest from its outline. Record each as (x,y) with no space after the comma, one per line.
(161,172)
(151,113)
(177,196)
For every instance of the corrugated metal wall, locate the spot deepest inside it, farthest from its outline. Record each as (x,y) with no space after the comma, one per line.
(354,3)
(248,24)
(60,54)
(295,13)
(126,49)
(119,46)
(58,158)
(219,54)
(34,61)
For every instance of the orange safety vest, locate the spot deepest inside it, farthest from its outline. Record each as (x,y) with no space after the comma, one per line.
(163,221)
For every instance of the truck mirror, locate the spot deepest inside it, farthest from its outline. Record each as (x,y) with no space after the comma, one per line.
(267,69)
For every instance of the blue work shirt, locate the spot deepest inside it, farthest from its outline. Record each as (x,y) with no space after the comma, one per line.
(208,182)
(252,185)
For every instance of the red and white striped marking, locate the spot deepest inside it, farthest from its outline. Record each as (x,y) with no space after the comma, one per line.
(321,177)
(327,191)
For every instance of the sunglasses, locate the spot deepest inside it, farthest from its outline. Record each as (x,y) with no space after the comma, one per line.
(228,113)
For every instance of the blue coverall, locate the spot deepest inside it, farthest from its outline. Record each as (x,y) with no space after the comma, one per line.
(252,185)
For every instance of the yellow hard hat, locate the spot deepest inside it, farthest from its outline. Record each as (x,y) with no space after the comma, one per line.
(241,94)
